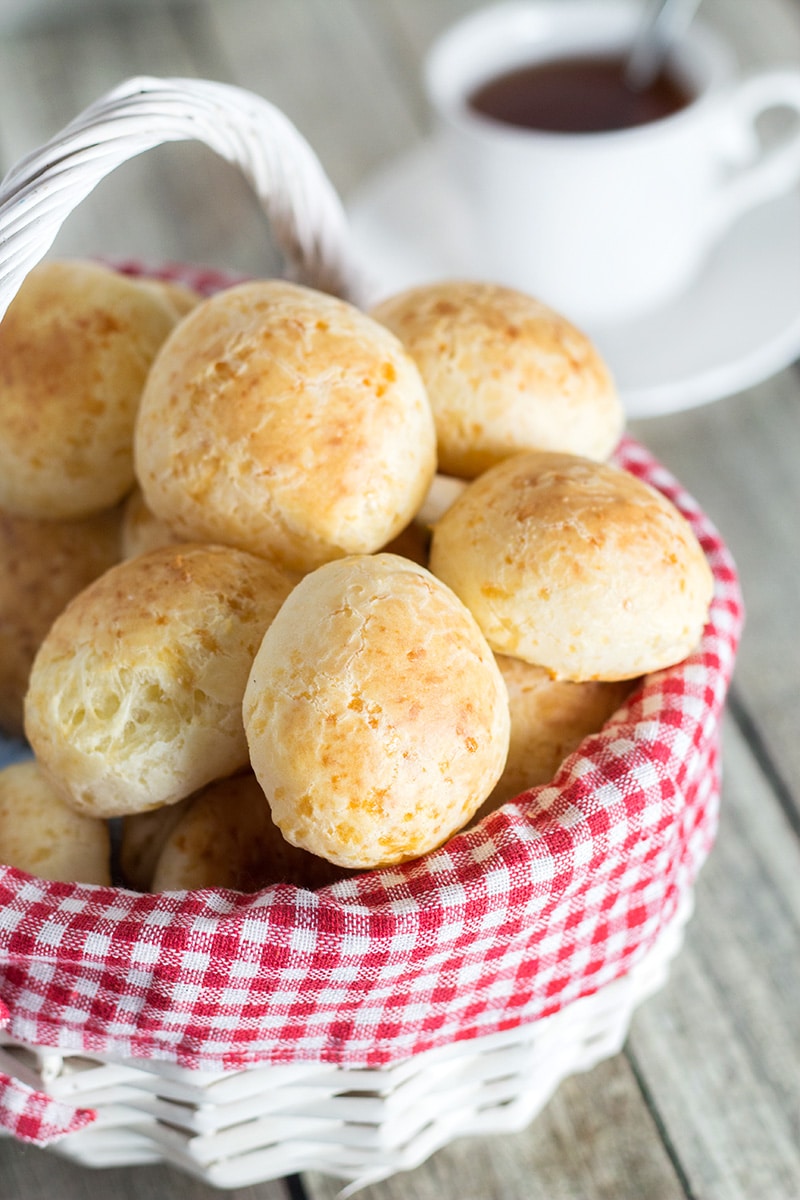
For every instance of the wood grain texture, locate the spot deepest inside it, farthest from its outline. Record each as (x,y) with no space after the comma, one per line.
(27,1173)
(595,1133)
(178,202)
(739,458)
(717,1050)
(318,62)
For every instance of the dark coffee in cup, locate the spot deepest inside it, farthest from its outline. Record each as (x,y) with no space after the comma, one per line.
(603,227)
(577,95)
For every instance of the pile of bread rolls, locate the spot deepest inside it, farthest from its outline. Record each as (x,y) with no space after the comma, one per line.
(290,590)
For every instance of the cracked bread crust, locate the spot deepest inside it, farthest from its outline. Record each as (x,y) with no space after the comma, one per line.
(504,373)
(135,694)
(575,566)
(286,422)
(376,716)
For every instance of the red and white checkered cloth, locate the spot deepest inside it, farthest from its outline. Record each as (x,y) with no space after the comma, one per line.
(551,897)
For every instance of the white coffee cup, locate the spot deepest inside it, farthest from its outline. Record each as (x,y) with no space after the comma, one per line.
(604,226)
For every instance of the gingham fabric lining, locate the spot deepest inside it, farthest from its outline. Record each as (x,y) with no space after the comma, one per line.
(33,1116)
(550,898)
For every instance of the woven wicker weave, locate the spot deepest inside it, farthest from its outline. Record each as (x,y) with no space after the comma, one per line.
(239,1128)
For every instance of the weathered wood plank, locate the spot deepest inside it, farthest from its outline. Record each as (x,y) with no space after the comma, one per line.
(177,202)
(738,456)
(594,1139)
(319,62)
(27,1173)
(718,1048)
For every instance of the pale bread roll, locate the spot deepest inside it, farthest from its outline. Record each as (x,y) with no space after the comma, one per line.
(575,566)
(135,694)
(76,345)
(376,716)
(286,422)
(41,834)
(504,373)
(549,719)
(142,839)
(413,542)
(226,838)
(178,296)
(141,530)
(43,564)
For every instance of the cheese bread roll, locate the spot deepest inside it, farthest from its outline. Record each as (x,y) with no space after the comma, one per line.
(376,716)
(225,837)
(76,345)
(504,373)
(285,422)
(135,694)
(575,566)
(43,564)
(41,834)
(549,719)
(142,838)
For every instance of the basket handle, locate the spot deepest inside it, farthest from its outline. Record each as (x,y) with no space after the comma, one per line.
(305,214)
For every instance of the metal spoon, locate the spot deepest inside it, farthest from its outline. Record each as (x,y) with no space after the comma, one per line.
(662,22)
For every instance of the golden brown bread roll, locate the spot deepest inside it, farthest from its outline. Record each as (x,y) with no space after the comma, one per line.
(225,837)
(413,542)
(142,839)
(135,694)
(41,834)
(43,564)
(504,373)
(575,566)
(549,719)
(178,296)
(76,345)
(141,530)
(376,716)
(286,422)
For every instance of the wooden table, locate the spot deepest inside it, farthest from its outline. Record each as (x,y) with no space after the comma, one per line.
(704,1102)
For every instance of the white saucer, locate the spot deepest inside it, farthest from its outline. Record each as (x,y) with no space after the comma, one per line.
(737,325)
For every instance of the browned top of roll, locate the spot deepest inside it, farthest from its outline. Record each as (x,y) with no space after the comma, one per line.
(576,566)
(75,348)
(135,694)
(504,373)
(286,422)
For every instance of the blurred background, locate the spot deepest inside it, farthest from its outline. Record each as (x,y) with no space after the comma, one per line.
(346,72)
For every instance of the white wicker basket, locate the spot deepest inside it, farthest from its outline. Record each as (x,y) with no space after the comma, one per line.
(359,1124)
(268,1119)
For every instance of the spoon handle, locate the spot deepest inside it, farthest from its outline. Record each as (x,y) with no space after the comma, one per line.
(662,22)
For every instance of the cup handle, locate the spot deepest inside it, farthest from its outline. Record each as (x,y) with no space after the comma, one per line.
(777,168)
